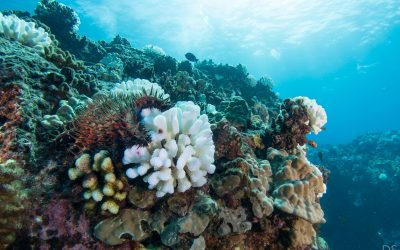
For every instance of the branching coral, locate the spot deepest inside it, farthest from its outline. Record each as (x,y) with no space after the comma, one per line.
(12,197)
(181,151)
(24,32)
(99,180)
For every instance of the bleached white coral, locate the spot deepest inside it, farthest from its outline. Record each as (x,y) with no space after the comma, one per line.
(316,113)
(181,152)
(137,86)
(24,32)
(154,50)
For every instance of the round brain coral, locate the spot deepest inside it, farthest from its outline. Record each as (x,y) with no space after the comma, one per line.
(181,152)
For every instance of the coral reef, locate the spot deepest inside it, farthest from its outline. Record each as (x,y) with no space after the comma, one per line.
(85,119)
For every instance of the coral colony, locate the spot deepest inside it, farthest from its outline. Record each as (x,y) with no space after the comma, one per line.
(173,157)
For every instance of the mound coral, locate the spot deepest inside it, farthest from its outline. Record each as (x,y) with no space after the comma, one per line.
(181,151)
(99,180)
(24,32)
(297,185)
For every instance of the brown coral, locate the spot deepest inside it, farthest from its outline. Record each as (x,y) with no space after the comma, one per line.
(290,127)
(227,140)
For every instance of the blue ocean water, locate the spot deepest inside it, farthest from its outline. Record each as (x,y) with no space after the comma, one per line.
(342,53)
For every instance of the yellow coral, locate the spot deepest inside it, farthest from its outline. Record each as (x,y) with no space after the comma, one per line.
(99,180)
(12,196)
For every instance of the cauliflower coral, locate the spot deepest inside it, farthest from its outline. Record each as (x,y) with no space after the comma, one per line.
(316,113)
(181,152)
(24,32)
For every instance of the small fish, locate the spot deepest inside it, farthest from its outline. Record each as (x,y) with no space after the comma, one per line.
(191,57)
(320,156)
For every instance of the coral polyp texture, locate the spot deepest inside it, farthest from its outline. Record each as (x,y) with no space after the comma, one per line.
(24,32)
(133,149)
(181,152)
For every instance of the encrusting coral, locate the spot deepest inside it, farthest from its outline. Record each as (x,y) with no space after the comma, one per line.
(99,180)
(24,32)
(181,151)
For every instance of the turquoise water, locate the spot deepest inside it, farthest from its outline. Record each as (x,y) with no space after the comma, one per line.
(343,53)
